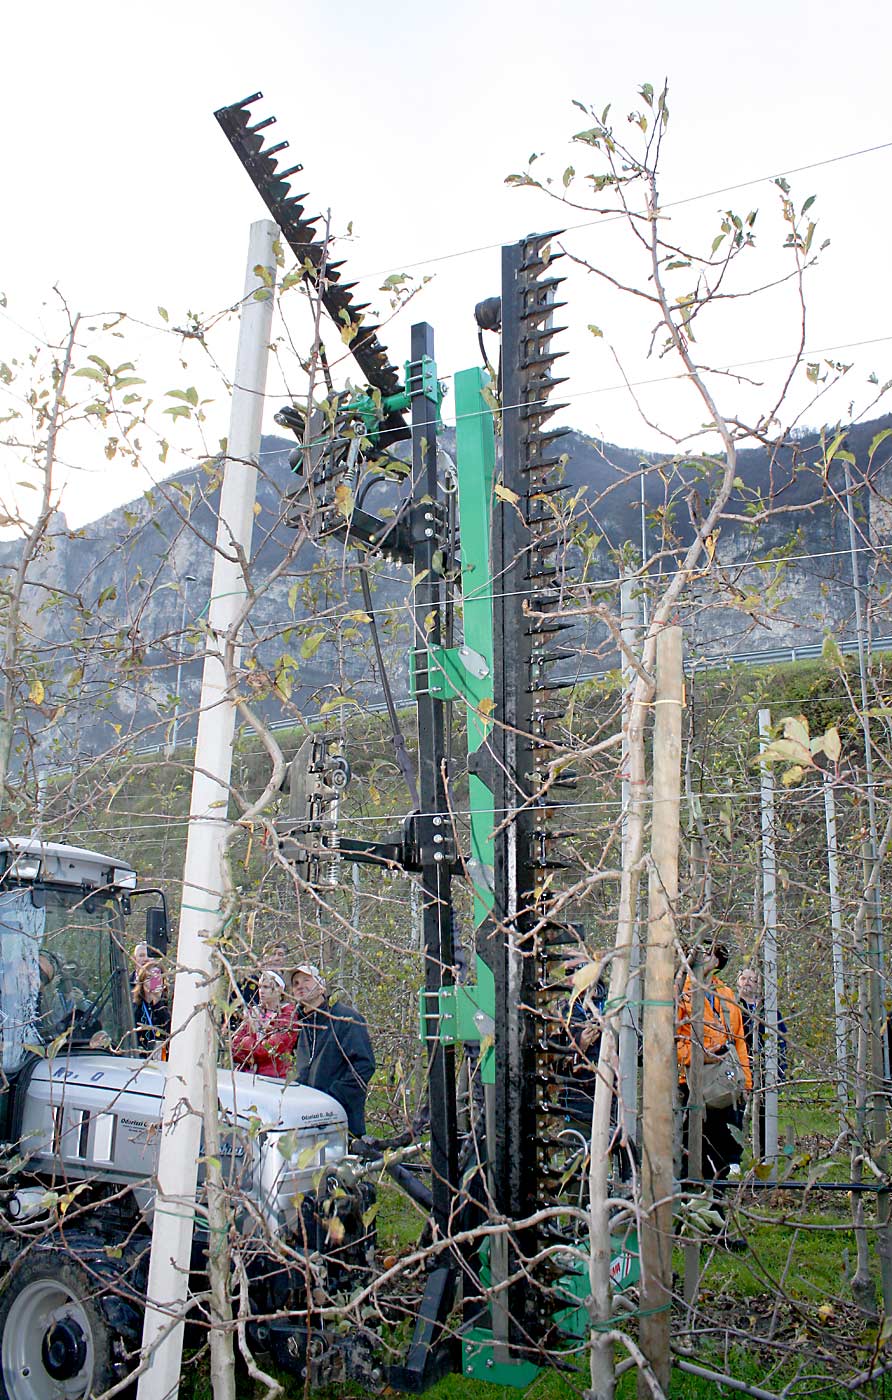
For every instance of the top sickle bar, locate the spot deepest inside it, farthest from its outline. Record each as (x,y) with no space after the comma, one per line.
(300,233)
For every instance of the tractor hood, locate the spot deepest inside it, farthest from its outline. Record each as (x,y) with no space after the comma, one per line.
(98,1115)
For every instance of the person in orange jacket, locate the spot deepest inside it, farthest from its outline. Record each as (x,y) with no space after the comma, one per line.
(722,1028)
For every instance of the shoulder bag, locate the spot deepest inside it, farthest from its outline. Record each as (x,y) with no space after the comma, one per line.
(724,1081)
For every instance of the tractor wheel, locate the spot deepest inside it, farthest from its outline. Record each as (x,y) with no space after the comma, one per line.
(55,1343)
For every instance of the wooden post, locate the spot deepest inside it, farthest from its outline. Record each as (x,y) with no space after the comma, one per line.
(660,1061)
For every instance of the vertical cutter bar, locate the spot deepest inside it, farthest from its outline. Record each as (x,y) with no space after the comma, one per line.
(435,874)
(514,875)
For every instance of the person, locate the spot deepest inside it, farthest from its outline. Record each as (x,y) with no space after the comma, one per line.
(139,958)
(264,1042)
(151,1009)
(333,1051)
(276,960)
(751,1008)
(61,1000)
(722,1028)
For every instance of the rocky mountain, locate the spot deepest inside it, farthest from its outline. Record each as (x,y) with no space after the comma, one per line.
(114,611)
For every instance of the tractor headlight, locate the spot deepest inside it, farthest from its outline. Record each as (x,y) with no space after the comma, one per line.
(290,1169)
(26,866)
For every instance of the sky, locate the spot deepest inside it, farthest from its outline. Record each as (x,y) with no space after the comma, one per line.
(122,191)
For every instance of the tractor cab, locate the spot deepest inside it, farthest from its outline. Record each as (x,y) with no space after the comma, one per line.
(64,983)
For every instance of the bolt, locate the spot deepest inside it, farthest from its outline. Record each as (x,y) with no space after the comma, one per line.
(428,515)
(372,539)
(438,855)
(428,534)
(438,840)
(438,821)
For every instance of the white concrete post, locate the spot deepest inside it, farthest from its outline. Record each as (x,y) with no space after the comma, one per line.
(769,950)
(630,1019)
(839,990)
(189,1066)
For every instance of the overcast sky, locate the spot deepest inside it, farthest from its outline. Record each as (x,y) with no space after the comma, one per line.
(121,188)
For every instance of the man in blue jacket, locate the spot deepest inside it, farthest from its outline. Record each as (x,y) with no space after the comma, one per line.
(333,1051)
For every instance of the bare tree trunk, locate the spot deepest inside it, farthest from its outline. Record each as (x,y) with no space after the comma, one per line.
(602,1373)
(659,1018)
(219,1261)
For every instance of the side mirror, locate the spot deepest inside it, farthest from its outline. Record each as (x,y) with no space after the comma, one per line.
(157,936)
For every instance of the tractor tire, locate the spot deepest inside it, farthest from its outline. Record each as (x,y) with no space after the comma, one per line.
(55,1342)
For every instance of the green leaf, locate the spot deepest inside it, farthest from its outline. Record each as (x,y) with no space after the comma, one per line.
(596,330)
(286,1143)
(162,312)
(808,203)
(98,360)
(786,751)
(311,645)
(568,176)
(336,703)
(880,437)
(796,729)
(89,374)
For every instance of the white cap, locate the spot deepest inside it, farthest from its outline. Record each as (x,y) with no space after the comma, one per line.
(310,969)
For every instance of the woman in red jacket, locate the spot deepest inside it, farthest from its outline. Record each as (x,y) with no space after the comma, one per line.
(264,1042)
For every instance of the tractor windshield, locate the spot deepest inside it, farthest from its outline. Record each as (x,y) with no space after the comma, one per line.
(61,977)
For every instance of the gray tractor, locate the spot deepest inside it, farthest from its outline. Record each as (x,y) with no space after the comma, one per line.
(80,1113)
